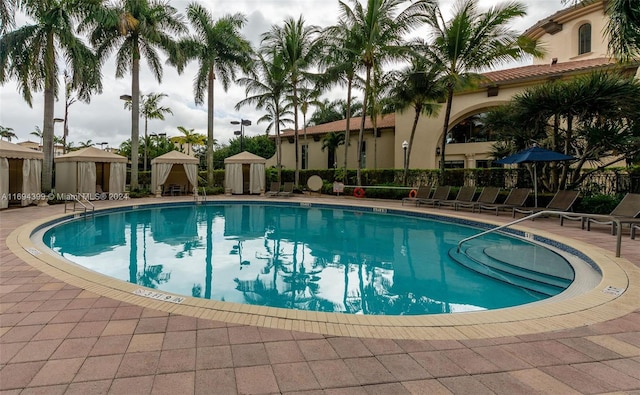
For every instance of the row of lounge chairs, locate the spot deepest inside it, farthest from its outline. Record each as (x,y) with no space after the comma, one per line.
(276,190)
(627,211)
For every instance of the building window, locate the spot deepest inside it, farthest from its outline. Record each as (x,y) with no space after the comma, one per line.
(454,164)
(305,156)
(584,39)
(470,130)
(363,154)
(484,164)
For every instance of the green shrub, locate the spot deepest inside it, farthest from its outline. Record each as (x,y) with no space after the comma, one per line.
(597,204)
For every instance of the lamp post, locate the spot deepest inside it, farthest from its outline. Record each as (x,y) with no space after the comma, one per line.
(405,145)
(102,144)
(242,123)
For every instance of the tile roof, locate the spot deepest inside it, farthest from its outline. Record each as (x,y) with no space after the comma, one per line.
(545,70)
(387,121)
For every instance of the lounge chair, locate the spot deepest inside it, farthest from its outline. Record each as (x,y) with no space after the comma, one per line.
(488,196)
(634,228)
(274,189)
(465,195)
(627,212)
(516,198)
(562,201)
(441,193)
(287,189)
(423,192)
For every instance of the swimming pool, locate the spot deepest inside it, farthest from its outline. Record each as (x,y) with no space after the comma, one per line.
(317,258)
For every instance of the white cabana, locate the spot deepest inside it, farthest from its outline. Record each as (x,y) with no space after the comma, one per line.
(174,179)
(20,174)
(244,172)
(90,170)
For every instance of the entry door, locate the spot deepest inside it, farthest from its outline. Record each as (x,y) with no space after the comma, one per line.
(246,177)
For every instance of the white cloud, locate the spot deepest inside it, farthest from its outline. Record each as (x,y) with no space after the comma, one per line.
(106,120)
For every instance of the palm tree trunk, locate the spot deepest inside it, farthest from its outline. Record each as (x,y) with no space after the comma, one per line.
(146,143)
(295,133)
(347,129)
(278,143)
(361,134)
(567,145)
(47,122)
(413,134)
(445,130)
(210,99)
(135,118)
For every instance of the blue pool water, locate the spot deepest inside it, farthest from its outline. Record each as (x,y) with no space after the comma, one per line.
(309,258)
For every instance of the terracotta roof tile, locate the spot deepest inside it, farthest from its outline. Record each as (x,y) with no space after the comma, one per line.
(387,121)
(542,70)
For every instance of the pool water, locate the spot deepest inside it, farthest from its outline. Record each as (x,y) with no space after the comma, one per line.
(307,258)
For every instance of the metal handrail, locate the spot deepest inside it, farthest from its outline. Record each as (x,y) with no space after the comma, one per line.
(77,200)
(558,213)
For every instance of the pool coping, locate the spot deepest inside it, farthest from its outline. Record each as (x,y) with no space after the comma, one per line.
(600,304)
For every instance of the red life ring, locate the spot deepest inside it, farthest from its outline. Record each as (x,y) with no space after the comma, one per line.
(358,192)
(413,193)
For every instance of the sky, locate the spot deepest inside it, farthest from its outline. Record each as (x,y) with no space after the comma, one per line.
(104,119)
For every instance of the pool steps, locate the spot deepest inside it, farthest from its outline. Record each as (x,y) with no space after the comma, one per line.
(476,258)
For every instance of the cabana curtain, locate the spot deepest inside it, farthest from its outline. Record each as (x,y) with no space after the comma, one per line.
(4,183)
(117,178)
(233,177)
(31,170)
(257,178)
(192,175)
(162,173)
(87,177)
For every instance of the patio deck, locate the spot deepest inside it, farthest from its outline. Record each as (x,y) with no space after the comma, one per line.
(62,334)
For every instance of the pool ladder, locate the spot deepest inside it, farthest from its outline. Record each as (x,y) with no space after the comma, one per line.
(87,208)
(203,197)
(552,212)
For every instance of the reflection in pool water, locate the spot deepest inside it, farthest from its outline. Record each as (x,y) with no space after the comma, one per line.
(320,259)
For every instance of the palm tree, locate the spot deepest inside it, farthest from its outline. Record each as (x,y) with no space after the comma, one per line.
(380,29)
(331,141)
(85,144)
(190,138)
(220,51)
(7,133)
(268,86)
(132,29)
(299,47)
(470,41)
(33,53)
(150,109)
(342,63)
(417,86)
(270,116)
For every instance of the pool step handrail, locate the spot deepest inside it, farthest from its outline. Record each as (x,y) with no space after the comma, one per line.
(74,198)
(550,212)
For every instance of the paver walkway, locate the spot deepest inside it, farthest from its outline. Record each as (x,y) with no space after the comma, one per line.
(56,338)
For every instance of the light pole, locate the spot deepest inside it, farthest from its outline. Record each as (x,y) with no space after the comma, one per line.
(242,123)
(102,144)
(405,145)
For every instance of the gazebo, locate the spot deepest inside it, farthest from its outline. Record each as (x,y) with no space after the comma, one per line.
(90,170)
(244,173)
(20,174)
(174,179)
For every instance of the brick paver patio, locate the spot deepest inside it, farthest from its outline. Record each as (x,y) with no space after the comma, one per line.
(56,338)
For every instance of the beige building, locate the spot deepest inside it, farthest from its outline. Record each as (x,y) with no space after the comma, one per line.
(57,148)
(574,43)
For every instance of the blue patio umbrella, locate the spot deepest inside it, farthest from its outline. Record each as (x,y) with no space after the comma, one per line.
(533,155)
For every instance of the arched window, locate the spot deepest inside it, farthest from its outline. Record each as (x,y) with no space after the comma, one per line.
(584,39)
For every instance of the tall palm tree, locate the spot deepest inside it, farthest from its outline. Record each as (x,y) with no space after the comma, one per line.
(190,138)
(341,62)
(33,53)
(470,41)
(418,86)
(150,109)
(85,144)
(299,47)
(270,116)
(132,29)
(268,87)
(220,51)
(7,133)
(380,28)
